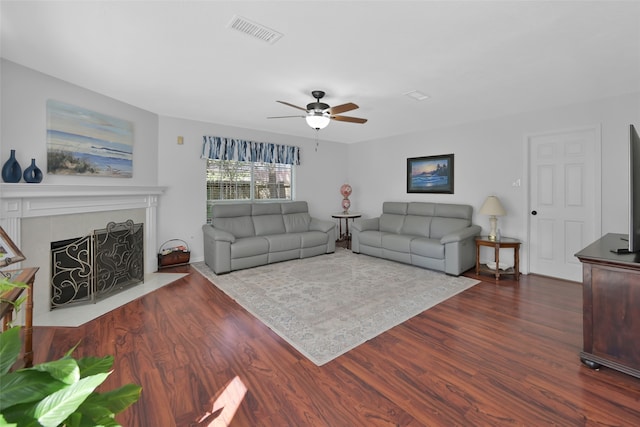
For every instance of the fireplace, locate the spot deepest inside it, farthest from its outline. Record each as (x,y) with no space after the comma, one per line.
(91,267)
(36,215)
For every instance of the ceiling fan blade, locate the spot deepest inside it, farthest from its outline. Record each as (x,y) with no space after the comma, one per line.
(291,105)
(349,119)
(343,108)
(283,117)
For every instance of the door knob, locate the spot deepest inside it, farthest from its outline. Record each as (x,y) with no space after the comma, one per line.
(534,212)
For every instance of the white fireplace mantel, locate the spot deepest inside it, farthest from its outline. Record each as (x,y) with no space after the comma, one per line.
(22,200)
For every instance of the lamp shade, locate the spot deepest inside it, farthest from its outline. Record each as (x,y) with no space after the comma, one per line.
(492,206)
(317,120)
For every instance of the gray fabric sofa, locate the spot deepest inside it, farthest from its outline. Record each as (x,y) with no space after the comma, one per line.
(436,236)
(244,235)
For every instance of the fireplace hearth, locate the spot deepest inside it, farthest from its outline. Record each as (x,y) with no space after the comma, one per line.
(88,268)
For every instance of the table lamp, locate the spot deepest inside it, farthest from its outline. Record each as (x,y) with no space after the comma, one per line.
(493,208)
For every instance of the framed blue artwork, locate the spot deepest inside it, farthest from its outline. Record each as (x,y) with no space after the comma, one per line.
(432,174)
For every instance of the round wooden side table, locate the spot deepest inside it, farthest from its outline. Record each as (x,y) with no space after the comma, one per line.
(346,236)
(502,243)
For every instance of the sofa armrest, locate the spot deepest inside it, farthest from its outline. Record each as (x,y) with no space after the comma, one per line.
(321,225)
(218,234)
(366,224)
(465,233)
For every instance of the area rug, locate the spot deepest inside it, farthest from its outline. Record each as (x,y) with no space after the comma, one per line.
(327,305)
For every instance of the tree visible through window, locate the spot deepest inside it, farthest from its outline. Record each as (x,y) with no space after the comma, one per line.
(232,180)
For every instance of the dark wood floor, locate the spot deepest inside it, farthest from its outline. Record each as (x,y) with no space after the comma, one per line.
(497,354)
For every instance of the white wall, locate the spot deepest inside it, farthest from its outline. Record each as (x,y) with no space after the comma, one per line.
(158,159)
(490,157)
(182,209)
(24,124)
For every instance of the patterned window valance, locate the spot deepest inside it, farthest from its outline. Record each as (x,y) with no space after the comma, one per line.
(220,148)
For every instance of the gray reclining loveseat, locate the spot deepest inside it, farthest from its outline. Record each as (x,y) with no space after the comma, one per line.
(437,236)
(244,235)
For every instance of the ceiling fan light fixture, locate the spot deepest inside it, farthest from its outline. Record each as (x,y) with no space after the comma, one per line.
(320,114)
(317,120)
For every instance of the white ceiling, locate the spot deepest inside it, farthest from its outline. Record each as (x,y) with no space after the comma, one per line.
(475,59)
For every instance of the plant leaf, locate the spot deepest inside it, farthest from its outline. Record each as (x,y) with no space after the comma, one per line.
(55,408)
(73,420)
(26,386)
(65,369)
(21,414)
(71,350)
(93,412)
(121,398)
(8,285)
(94,365)
(9,348)
(4,423)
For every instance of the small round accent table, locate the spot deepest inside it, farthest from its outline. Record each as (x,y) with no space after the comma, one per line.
(503,243)
(346,236)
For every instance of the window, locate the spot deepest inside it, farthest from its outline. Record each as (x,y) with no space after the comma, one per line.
(234,180)
(238,169)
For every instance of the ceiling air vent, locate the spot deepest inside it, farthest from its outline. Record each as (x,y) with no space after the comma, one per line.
(254,30)
(417,95)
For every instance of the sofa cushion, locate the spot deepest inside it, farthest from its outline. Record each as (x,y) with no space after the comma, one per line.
(267,218)
(313,238)
(398,208)
(283,242)
(241,226)
(231,211)
(234,219)
(443,226)
(296,222)
(249,246)
(397,242)
(268,224)
(421,208)
(454,211)
(416,225)
(265,209)
(391,223)
(430,248)
(294,207)
(371,238)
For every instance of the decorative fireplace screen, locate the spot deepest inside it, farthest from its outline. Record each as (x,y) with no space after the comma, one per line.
(92,267)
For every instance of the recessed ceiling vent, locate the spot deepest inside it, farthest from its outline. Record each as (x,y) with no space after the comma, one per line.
(417,95)
(254,30)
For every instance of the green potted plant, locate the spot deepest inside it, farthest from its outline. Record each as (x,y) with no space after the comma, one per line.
(57,393)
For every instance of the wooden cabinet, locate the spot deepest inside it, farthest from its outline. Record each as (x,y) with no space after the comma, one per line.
(611,306)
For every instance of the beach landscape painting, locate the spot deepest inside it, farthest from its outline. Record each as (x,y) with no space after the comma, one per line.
(84,142)
(431,174)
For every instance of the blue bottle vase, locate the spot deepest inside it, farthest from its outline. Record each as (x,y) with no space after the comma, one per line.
(11,171)
(32,174)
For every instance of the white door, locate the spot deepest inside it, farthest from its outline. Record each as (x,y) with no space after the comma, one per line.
(564,200)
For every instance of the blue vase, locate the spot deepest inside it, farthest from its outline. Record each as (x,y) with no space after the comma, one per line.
(32,174)
(11,171)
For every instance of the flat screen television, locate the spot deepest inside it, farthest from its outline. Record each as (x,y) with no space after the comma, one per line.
(634,190)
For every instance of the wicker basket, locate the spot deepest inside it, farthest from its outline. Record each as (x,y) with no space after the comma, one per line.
(173,252)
